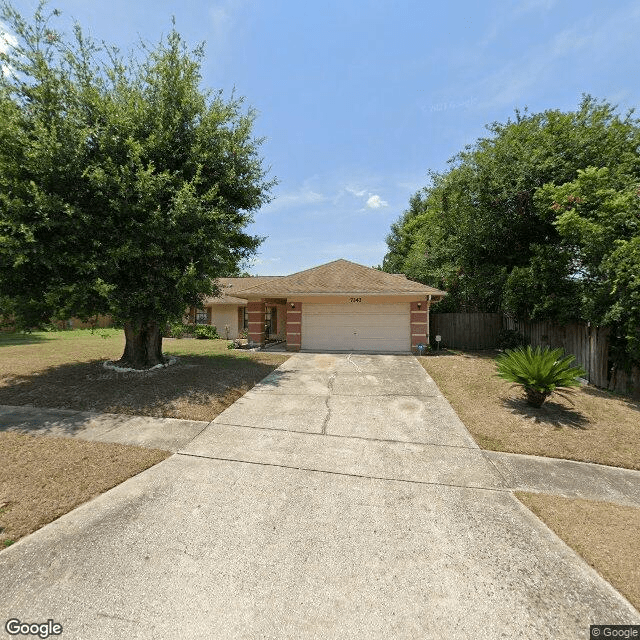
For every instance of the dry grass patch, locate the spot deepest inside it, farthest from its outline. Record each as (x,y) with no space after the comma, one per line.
(604,534)
(42,478)
(64,370)
(600,427)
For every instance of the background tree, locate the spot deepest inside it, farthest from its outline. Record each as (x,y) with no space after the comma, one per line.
(125,189)
(597,217)
(539,219)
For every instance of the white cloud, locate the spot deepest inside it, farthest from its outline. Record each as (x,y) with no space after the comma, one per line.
(375,202)
(260,261)
(223,19)
(502,21)
(301,197)
(371,200)
(7,40)
(511,83)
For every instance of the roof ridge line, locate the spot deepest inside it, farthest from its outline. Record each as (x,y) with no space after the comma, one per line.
(326,264)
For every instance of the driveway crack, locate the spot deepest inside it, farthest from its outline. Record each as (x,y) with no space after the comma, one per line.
(350,361)
(332,378)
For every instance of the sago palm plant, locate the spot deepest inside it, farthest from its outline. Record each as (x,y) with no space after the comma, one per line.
(539,371)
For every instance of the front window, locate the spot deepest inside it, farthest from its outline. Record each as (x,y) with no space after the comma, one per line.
(243,319)
(201,316)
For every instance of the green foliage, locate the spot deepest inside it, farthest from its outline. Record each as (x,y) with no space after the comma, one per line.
(124,188)
(539,371)
(539,219)
(542,289)
(177,330)
(597,216)
(206,332)
(200,331)
(623,265)
(510,339)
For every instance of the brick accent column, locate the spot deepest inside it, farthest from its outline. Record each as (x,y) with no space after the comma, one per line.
(294,326)
(419,324)
(255,310)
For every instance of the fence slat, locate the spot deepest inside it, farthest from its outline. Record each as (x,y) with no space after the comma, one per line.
(467,330)
(590,345)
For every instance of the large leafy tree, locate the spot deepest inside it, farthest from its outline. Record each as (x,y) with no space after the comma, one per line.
(597,216)
(125,188)
(538,219)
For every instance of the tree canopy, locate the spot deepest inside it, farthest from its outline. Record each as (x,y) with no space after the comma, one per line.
(540,219)
(125,188)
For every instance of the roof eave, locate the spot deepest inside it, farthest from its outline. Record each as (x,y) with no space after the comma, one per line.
(319,294)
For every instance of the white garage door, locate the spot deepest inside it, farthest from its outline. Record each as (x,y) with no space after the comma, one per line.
(356,327)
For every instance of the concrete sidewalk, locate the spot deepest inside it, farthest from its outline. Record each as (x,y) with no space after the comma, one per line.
(340,498)
(411,426)
(567,478)
(155,433)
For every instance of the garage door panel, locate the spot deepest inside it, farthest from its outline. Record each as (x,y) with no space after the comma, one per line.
(380,333)
(381,324)
(361,327)
(356,309)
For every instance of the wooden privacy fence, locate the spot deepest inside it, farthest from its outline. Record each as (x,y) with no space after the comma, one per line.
(466,330)
(589,344)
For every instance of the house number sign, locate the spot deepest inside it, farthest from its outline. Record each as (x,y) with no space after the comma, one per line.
(355,299)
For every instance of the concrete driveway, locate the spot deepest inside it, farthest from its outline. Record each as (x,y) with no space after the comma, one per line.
(340,498)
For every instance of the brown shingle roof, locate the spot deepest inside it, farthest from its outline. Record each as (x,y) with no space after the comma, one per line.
(238,283)
(229,287)
(340,276)
(224,299)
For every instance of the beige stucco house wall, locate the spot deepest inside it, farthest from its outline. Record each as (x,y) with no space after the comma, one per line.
(222,316)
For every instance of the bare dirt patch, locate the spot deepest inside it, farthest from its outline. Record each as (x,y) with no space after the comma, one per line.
(604,534)
(42,478)
(64,370)
(596,426)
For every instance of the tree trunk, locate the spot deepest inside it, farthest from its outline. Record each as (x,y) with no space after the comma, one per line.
(536,398)
(143,346)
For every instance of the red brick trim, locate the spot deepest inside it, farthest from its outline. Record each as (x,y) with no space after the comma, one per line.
(294,325)
(256,313)
(419,324)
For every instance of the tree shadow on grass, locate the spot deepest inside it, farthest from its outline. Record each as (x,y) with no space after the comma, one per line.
(195,388)
(551,412)
(12,339)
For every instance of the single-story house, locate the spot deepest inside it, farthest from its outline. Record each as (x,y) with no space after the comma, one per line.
(338,306)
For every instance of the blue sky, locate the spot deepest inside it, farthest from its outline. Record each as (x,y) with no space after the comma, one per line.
(359,100)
